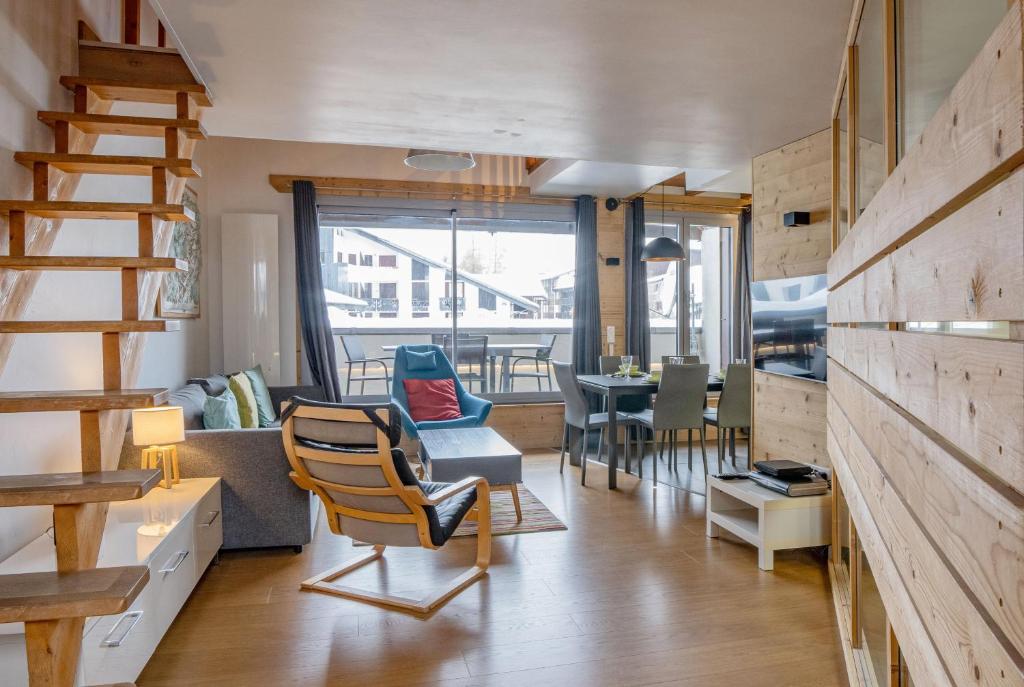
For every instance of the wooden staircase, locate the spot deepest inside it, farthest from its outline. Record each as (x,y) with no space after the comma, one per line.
(54,605)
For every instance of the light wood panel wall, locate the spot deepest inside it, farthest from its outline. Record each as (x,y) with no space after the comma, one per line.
(926,431)
(789,419)
(795,177)
(611,243)
(789,413)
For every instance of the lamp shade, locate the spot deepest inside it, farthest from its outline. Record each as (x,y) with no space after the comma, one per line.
(662,248)
(158,426)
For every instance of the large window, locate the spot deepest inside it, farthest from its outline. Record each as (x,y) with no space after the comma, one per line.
(689,300)
(488,271)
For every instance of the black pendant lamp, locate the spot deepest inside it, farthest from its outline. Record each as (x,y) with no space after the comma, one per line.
(663,248)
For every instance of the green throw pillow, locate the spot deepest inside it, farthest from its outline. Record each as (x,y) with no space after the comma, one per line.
(242,389)
(264,406)
(221,412)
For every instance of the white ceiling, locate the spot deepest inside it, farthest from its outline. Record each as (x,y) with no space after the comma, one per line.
(698,84)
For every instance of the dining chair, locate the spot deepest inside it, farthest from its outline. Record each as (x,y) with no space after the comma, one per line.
(679,405)
(348,455)
(543,355)
(733,411)
(578,415)
(356,354)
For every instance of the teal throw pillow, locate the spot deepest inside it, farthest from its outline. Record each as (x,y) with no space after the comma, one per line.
(264,406)
(221,412)
(420,361)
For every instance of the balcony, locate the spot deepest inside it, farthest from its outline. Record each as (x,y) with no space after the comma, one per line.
(382,304)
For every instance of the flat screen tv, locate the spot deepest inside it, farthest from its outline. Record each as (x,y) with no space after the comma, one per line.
(789,326)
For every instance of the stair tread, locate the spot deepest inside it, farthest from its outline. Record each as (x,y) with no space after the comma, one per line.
(64,488)
(90,399)
(73,209)
(137,165)
(139,91)
(124,125)
(87,326)
(29,597)
(90,263)
(128,47)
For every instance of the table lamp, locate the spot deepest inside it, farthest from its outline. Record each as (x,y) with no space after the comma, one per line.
(159,429)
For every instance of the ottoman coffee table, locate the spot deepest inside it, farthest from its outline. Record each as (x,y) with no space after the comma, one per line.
(449,455)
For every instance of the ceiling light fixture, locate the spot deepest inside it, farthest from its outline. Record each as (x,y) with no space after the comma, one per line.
(663,248)
(439,160)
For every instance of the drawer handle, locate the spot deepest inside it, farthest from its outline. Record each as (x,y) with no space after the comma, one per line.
(178,560)
(213,518)
(124,625)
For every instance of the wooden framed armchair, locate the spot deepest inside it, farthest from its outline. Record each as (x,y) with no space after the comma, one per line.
(347,455)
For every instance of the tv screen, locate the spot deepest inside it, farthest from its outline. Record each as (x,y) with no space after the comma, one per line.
(789,326)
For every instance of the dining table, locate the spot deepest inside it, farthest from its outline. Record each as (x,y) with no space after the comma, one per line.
(505,351)
(614,387)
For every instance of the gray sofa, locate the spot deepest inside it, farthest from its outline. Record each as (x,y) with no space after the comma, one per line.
(262,507)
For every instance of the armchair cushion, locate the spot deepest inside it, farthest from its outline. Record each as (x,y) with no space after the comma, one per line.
(421,361)
(449,513)
(432,399)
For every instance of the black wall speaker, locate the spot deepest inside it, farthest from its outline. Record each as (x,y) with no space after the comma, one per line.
(611,204)
(796,219)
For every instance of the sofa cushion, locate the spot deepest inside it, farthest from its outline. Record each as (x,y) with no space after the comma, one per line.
(432,399)
(192,399)
(242,389)
(265,410)
(221,412)
(214,385)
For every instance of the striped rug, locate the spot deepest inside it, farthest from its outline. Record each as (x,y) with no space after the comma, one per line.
(536,516)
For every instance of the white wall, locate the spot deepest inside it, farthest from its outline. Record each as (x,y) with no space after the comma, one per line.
(236,173)
(39,46)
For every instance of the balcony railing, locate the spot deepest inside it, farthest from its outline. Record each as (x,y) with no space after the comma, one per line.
(382,304)
(445,303)
(420,305)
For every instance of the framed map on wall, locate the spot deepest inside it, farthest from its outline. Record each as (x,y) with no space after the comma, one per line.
(179,291)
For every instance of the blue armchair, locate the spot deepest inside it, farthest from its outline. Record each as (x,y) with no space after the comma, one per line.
(474,410)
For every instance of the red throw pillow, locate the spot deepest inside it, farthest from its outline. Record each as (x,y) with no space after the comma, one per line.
(432,399)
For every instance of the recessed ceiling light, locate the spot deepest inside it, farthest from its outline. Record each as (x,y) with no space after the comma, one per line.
(439,160)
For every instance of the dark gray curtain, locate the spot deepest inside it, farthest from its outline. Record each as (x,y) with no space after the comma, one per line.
(741,289)
(638,315)
(317,339)
(586,316)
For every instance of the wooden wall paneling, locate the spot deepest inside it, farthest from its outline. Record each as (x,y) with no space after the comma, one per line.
(976,524)
(972,650)
(789,419)
(944,276)
(611,280)
(922,656)
(975,138)
(969,390)
(796,176)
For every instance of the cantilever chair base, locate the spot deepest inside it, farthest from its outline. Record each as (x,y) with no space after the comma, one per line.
(324,583)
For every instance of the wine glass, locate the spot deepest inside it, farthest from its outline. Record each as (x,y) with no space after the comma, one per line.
(675,360)
(626,364)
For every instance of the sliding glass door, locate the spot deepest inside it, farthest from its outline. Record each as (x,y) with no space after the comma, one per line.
(490,283)
(690,301)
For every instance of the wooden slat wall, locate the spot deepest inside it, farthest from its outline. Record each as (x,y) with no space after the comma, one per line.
(789,413)
(789,418)
(795,177)
(926,431)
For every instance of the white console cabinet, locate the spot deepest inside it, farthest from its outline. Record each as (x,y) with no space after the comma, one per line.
(115,649)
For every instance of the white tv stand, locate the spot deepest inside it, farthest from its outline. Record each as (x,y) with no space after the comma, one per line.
(116,648)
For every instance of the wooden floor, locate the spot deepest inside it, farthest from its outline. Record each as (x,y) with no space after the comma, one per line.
(632,594)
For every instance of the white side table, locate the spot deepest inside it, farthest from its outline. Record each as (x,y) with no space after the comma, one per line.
(768,520)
